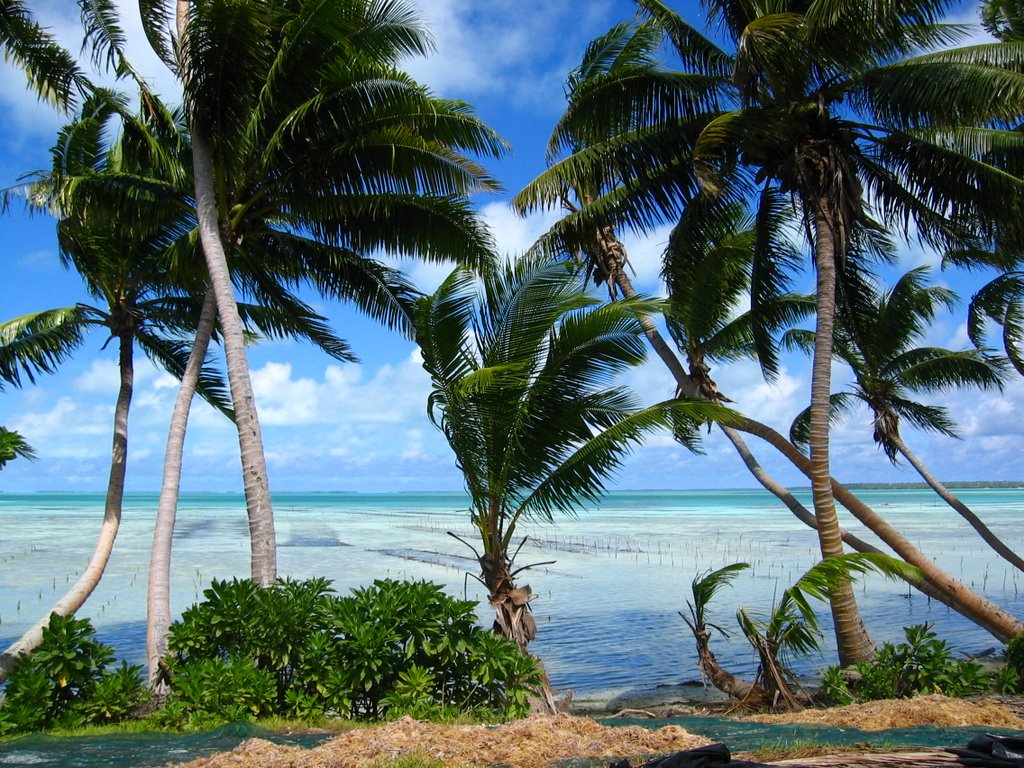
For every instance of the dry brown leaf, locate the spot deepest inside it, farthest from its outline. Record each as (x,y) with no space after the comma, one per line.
(535,742)
(934,710)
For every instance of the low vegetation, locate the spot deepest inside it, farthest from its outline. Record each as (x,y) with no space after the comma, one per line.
(68,683)
(921,665)
(293,650)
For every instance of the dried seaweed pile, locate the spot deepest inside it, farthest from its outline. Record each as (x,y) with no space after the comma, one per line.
(535,742)
(934,710)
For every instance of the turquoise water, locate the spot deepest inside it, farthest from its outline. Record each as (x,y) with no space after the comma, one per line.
(607,607)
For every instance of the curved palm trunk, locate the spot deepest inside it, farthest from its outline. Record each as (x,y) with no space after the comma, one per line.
(949,590)
(749,695)
(937,582)
(807,518)
(254,466)
(852,640)
(80,591)
(799,510)
(158,598)
(262,537)
(962,509)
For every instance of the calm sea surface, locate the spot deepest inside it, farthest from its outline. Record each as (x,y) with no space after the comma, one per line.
(607,611)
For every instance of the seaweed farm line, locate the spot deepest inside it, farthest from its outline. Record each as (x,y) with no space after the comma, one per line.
(607,607)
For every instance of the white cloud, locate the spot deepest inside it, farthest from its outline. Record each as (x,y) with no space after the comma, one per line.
(515,234)
(102,377)
(68,428)
(505,47)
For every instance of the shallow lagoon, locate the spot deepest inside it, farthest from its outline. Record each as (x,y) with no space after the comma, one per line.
(607,607)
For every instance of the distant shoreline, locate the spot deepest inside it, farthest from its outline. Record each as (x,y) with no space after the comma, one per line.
(918,486)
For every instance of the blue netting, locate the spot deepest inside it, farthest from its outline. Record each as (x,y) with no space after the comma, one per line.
(137,750)
(156,750)
(744,735)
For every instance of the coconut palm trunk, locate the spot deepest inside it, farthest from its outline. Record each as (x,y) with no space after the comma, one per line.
(950,591)
(255,482)
(86,583)
(986,533)
(937,583)
(158,597)
(799,511)
(511,604)
(852,640)
(748,694)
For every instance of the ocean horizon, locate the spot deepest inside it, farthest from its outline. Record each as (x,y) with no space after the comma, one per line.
(607,607)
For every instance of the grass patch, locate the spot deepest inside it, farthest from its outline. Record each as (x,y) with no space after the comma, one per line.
(769,752)
(416,760)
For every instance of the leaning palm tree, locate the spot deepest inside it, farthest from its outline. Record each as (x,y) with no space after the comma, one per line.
(523,391)
(118,247)
(833,104)
(302,123)
(793,67)
(877,341)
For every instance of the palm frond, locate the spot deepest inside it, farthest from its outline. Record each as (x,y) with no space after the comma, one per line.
(52,71)
(13,446)
(695,50)
(841,405)
(157,21)
(172,355)
(39,342)
(706,585)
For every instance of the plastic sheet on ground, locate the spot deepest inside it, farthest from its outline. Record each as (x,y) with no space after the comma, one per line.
(137,750)
(156,750)
(742,735)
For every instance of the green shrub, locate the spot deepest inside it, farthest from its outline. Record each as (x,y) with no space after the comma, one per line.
(390,649)
(1008,681)
(1015,656)
(65,683)
(212,691)
(923,664)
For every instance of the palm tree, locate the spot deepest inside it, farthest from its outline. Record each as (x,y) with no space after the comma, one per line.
(707,268)
(522,389)
(793,68)
(904,133)
(301,123)
(121,259)
(13,446)
(877,340)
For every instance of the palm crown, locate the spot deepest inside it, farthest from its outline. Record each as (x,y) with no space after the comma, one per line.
(879,343)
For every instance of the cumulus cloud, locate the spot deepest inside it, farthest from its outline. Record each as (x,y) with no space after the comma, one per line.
(504,47)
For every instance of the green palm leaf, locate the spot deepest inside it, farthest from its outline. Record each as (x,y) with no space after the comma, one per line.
(40,342)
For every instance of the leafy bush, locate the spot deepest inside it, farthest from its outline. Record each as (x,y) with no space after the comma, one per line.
(65,683)
(391,649)
(1010,679)
(923,664)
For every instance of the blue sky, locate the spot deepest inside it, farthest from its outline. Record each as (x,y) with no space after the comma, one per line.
(334,427)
